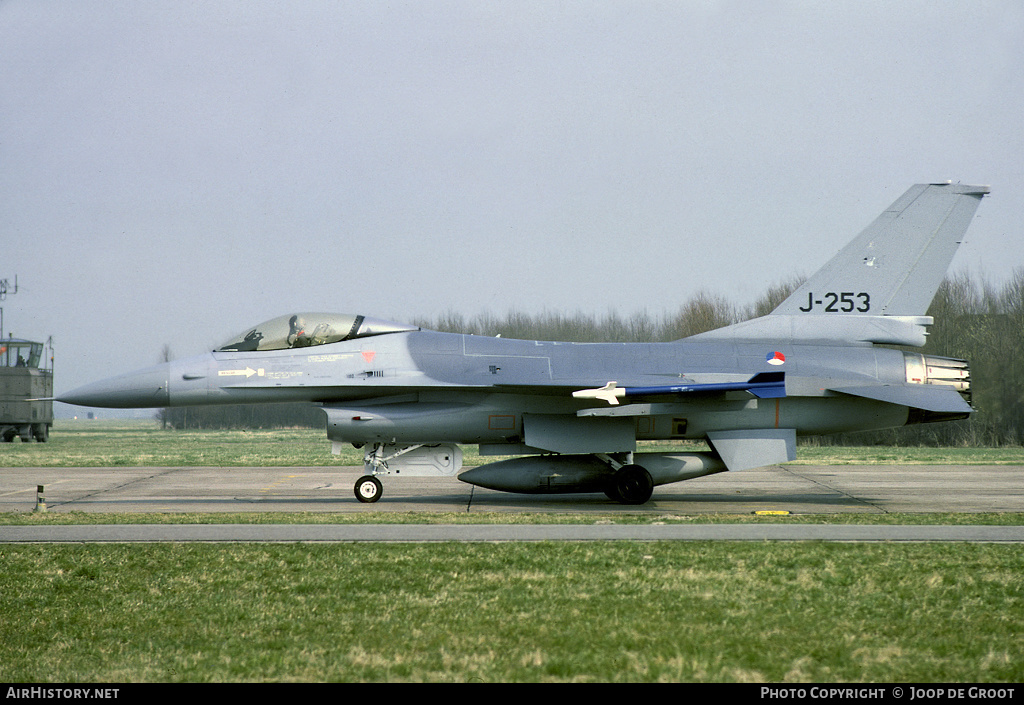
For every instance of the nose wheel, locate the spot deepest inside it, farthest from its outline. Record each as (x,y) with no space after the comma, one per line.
(368,489)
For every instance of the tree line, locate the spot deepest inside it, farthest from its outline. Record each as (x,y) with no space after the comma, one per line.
(974,320)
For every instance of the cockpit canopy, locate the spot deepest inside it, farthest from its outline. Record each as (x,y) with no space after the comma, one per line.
(303,330)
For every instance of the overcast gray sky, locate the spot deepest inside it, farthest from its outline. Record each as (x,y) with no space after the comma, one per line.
(172,172)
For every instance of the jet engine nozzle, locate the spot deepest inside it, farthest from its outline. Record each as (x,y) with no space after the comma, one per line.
(947,371)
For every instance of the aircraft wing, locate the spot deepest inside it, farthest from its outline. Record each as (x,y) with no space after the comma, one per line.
(764,385)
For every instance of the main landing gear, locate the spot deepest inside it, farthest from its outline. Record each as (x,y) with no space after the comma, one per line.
(631,484)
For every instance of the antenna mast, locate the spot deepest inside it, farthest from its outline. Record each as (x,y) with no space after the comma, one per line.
(5,289)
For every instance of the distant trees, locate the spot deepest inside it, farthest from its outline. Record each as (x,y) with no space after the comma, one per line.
(974,320)
(291,415)
(984,324)
(700,314)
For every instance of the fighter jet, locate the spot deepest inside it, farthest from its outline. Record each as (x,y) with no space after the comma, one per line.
(572,416)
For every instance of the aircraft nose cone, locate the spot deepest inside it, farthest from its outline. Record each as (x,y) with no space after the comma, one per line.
(136,390)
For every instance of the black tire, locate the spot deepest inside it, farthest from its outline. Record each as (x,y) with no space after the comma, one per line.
(368,489)
(631,484)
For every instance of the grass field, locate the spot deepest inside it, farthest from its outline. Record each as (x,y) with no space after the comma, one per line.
(662,611)
(509,612)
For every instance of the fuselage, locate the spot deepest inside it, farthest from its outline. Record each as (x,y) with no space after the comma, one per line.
(425,386)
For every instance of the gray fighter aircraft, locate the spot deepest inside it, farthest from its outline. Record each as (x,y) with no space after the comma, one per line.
(572,414)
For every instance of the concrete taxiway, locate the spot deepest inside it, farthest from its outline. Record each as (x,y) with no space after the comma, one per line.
(799,489)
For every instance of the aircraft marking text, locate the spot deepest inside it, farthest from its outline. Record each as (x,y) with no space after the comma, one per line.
(843,302)
(247,372)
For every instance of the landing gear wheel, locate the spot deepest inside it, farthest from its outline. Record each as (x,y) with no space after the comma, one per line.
(368,489)
(631,484)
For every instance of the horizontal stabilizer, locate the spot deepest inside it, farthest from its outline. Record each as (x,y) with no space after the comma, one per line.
(754,448)
(927,397)
(764,385)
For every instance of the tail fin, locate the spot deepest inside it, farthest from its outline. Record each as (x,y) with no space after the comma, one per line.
(879,287)
(895,266)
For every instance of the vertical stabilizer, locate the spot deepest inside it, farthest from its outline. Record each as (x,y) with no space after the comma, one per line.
(895,266)
(878,288)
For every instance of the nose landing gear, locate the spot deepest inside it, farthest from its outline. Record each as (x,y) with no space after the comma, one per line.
(368,489)
(413,460)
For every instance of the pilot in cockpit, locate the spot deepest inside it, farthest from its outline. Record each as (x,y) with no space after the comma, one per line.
(297,337)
